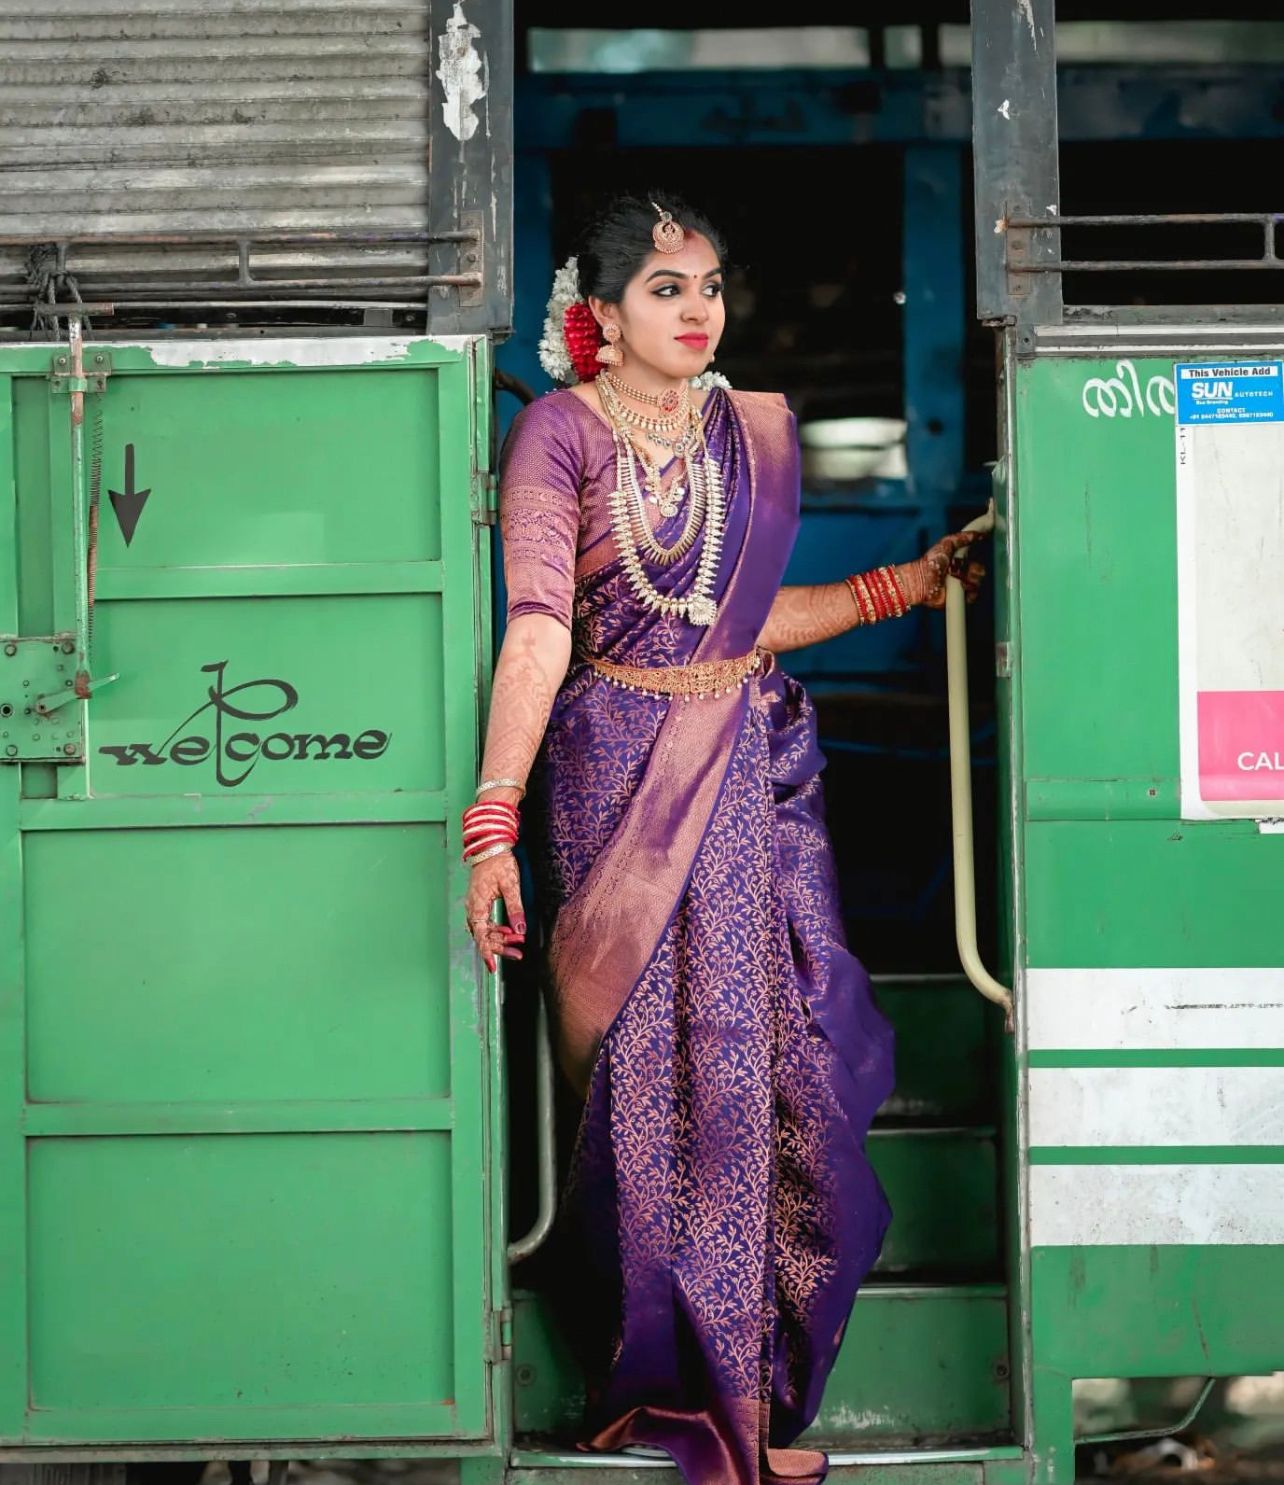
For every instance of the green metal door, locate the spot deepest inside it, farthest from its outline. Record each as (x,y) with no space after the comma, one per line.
(1150,1035)
(246,1057)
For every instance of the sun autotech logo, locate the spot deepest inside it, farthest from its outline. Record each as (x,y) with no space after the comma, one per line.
(217,730)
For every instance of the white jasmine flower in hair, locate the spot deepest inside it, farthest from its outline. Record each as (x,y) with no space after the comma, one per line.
(553,355)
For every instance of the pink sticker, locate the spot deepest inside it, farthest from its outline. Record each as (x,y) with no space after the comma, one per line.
(1241,744)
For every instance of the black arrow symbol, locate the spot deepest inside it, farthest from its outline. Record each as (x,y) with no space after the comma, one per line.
(128,504)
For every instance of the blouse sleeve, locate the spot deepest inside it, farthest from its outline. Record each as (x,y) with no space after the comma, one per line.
(539,512)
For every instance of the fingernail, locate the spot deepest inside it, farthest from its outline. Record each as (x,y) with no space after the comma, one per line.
(520,925)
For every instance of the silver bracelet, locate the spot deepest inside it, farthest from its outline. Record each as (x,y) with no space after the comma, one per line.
(498,784)
(487,854)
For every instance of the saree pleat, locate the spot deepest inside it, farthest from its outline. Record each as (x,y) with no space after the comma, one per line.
(721,1210)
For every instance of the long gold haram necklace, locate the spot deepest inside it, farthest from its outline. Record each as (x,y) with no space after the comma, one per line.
(655,549)
(698,606)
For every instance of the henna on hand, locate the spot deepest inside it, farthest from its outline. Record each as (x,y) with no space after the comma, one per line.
(532,664)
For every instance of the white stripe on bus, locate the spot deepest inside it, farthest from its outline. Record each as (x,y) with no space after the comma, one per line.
(1091,1205)
(1157,1105)
(1117,1009)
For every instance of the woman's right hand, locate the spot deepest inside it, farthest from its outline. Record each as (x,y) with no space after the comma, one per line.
(496,880)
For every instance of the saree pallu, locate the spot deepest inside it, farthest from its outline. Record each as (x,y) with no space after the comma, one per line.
(721,1211)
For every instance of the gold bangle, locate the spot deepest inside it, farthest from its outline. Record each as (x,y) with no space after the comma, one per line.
(487,854)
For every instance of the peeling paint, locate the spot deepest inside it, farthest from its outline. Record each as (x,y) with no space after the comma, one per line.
(856,1420)
(319,351)
(462,73)
(1005,108)
(1027,10)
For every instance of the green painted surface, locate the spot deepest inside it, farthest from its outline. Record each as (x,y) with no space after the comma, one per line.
(1137,893)
(167,1022)
(121,1317)
(944,1053)
(1098,578)
(299,731)
(249,1145)
(1145,1311)
(312,485)
(943,1188)
(1111,877)
(917,1365)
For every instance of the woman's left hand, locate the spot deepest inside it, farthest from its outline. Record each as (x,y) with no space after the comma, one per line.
(949,557)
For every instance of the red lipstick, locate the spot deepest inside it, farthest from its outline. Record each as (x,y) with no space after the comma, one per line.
(695,341)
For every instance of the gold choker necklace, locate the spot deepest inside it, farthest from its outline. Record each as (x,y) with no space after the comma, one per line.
(668,401)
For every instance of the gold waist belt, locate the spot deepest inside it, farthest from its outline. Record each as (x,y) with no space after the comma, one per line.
(699,679)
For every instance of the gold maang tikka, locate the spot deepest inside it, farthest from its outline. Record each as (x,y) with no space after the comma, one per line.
(667,234)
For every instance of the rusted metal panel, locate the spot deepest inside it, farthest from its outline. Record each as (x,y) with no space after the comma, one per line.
(248,117)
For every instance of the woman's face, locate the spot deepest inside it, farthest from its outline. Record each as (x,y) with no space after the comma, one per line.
(672,315)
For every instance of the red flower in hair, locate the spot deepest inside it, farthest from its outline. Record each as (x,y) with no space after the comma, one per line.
(583,337)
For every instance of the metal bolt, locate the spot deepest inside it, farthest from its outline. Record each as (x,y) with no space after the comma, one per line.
(35,737)
(11,751)
(67,682)
(11,649)
(69,749)
(68,646)
(6,710)
(98,359)
(26,683)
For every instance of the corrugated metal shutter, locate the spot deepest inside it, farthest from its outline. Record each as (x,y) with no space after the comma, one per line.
(163,116)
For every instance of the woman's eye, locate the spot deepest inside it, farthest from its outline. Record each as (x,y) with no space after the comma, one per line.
(713,290)
(666,291)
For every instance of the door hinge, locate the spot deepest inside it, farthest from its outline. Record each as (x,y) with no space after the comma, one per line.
(1003,660)
(502,1347)
(485,498)
(97,370)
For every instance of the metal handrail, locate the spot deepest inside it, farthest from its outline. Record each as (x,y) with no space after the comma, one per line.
(523,1247)
(961,786)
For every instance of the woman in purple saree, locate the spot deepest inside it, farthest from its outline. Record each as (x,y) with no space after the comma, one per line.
(721,1208)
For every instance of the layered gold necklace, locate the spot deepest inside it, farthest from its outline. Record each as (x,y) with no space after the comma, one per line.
(679,427)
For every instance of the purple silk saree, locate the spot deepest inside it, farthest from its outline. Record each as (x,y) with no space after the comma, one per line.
(721,1210)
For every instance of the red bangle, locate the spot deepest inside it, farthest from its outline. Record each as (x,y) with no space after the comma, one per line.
(488,825)
(895,584)
(892,608)
(865,605)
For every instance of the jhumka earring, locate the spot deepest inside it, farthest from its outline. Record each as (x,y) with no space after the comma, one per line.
(610,354)
(667,234)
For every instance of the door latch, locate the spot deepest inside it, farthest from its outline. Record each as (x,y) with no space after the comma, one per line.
(39,675)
